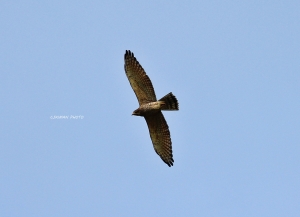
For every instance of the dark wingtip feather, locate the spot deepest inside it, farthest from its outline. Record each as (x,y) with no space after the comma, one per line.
(170,161)
(128,53)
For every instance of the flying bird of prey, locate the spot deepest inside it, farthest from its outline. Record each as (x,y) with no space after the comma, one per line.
(150,108)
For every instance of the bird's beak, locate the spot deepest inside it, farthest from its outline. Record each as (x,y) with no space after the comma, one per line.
(136,112)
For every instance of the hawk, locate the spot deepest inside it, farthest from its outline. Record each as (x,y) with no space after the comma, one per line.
(150,108)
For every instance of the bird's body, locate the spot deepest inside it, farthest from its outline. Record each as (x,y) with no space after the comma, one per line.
(150,108)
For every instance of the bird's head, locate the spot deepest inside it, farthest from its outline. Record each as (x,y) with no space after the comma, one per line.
(137,112)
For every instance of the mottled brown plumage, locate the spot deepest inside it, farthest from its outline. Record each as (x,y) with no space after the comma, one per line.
(150,108)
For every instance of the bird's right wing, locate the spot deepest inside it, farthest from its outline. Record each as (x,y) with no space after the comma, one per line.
(139,80)
(160,136)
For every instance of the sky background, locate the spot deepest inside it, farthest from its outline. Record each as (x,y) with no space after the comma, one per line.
(234,67)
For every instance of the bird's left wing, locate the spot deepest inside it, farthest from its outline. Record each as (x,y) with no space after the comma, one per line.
(139,80)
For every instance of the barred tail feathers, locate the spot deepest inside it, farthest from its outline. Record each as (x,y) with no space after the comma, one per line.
(171,102)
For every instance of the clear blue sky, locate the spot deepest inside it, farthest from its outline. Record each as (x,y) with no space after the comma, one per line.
(234,67)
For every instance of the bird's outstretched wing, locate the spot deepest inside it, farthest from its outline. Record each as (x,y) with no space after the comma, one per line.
(139,80)
(160,136)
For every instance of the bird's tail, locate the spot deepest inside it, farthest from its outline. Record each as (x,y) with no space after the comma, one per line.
(170,102)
